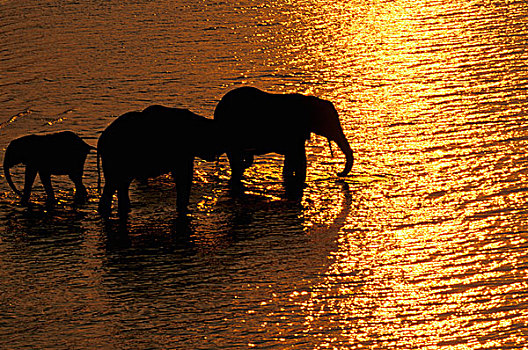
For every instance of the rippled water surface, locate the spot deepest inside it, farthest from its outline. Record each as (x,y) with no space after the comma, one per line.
(423,246)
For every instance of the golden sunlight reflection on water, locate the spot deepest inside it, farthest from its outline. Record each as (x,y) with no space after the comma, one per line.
(438,256)
(422,246)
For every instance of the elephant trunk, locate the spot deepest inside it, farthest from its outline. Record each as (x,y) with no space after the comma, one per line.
(7,175)
(343,144)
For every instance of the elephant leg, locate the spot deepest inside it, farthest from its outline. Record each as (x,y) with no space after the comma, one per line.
(105,202)
(236,162)
(45,178)
(29,178)
(288,169)
(294,171)
(123,200)
(300,168)
(80,190)
(183,177)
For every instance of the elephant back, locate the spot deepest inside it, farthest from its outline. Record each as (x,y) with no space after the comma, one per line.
(250,117)
(155,138)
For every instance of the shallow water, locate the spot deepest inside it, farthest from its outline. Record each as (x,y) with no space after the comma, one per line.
(423,246)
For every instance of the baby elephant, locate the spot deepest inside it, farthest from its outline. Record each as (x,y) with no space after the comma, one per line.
(158,140)
(62,153)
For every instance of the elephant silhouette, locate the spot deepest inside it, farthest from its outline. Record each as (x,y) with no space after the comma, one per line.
(62,153)
(155,141)
(257,122)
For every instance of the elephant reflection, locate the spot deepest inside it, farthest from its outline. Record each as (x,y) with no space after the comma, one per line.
(62,153)
(256,122)
(158,140)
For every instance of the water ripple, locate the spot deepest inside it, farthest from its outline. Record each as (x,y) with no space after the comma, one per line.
(422,246)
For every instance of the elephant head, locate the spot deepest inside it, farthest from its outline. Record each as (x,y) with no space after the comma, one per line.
(324,121)
(15,154)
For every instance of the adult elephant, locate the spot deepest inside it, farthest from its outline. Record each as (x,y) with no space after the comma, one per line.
(257,122)
(61,153)
(155,141)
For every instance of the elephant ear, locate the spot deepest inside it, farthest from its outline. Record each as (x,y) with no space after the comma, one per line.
(324,119)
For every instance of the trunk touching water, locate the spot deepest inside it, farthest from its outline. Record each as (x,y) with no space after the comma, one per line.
(343,144)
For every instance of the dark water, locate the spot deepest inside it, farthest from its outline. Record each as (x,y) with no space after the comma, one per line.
(424,246)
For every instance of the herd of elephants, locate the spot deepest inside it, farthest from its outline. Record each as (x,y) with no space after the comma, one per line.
(160,140)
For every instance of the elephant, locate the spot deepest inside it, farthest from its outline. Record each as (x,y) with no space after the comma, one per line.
(257,122)
(155,141)
(61,153)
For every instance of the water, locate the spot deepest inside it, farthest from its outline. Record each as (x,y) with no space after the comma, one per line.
(423,246)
